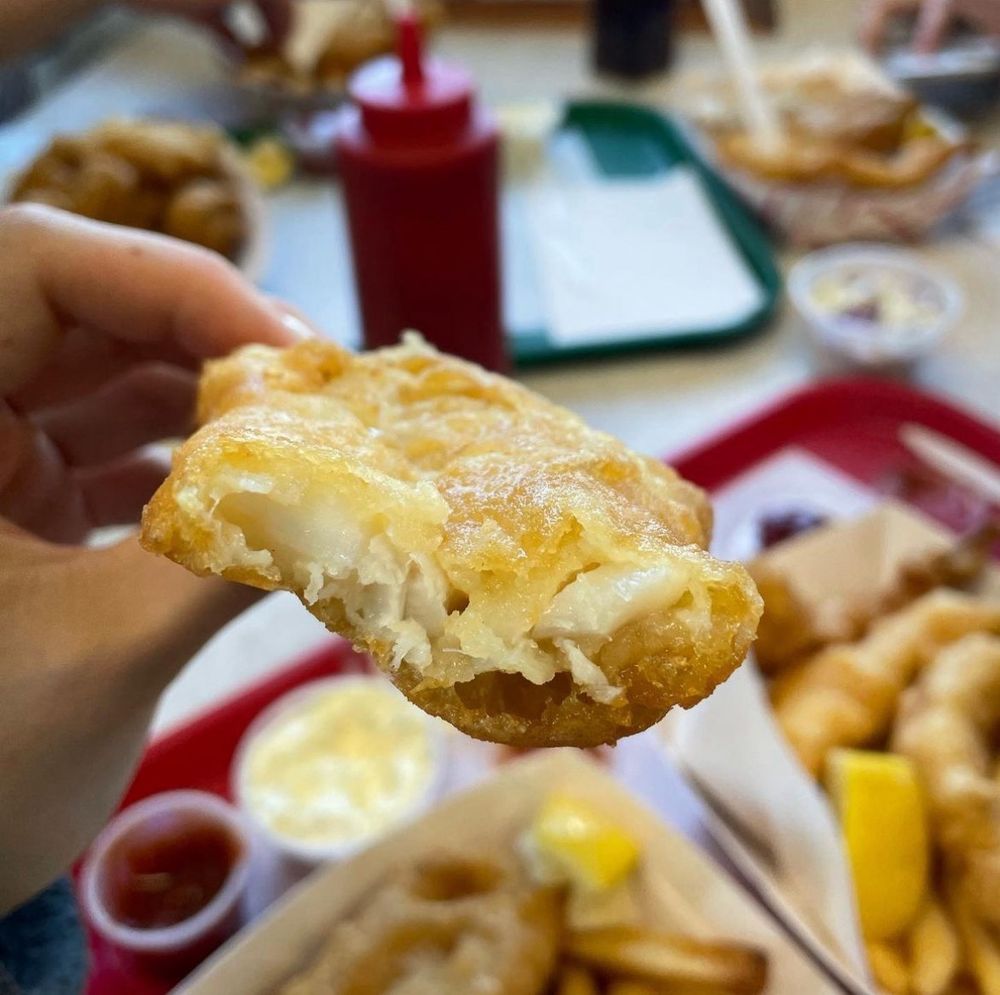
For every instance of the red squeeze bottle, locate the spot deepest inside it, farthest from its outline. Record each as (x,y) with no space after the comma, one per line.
(418,161)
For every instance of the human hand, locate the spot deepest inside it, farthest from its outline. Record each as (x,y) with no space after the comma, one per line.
(275,14)
(934,18)
(101,332)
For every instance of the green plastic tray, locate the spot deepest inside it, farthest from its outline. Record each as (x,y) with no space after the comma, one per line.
(630,141)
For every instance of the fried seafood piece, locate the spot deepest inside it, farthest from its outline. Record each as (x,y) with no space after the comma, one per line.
(55,168)
(846,695)
(575,980)
(959,566)
(167,150)
(791,160)
(364,31)
(352,33)
(947,725)
(265,67)
(180,179)
(792,628)
(839,95)
(450,926)
(209,213)
(817,159)
(526,578)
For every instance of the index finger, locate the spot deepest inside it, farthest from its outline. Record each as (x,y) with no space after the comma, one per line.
(875,17)
(872,28)
(58,270)
(935,16)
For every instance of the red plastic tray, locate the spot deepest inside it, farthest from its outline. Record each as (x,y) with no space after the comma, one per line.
(851,424)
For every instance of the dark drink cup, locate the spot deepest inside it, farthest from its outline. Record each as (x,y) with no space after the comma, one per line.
(632,38)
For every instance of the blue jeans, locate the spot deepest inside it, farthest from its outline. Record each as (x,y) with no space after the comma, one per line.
(43,950)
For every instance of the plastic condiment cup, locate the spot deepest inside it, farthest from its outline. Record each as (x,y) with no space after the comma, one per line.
(868,343)
(177,948)
(301,854)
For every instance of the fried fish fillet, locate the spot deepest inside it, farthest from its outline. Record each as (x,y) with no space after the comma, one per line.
(524,577)
(947,726)
(450,926)
(793,627)
(847,694)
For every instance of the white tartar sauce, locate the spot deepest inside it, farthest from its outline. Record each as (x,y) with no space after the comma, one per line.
(341,766)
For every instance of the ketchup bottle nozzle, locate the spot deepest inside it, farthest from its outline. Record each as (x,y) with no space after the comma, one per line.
(411,47)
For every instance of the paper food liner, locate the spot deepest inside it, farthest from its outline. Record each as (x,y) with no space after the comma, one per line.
(314,23)
(770,818)
(814,215)
(678,888)
(809,215)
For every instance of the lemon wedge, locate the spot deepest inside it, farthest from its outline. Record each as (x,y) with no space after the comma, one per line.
(884,824)
(577,844)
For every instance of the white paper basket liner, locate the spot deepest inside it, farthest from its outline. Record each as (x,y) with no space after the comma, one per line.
(770,818)
(680,888)
(809,215)
(772,821)
(813,215)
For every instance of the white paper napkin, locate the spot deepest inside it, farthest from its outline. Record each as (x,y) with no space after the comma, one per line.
(636,258)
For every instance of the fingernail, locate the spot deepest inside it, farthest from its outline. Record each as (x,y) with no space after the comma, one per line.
(295,324)
(297,328)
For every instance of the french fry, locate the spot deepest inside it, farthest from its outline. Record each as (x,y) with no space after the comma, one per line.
(889,967)
(980,948)
(575,980)
(963,986)
(665,960)
(623,987)
(633,988)
(934,950)
(616,906)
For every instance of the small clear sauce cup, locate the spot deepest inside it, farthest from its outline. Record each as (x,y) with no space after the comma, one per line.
(139,859)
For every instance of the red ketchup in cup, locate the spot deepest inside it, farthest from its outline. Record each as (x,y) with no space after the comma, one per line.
(165,880)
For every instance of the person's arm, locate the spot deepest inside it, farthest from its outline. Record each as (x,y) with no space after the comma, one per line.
(934,19)
(100,330)
(28,24)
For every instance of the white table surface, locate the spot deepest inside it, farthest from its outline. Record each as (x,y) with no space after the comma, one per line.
(657,403)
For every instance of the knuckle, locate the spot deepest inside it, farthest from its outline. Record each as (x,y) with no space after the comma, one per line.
(210,265)
(22,218)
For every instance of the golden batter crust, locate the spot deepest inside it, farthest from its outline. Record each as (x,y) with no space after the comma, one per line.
(452,925)
(521,575)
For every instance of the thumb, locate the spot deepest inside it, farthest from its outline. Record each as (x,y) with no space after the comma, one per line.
(89,640)
(165,613)
(131,619)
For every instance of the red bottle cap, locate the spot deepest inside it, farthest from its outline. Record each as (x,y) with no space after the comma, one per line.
(411,100)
